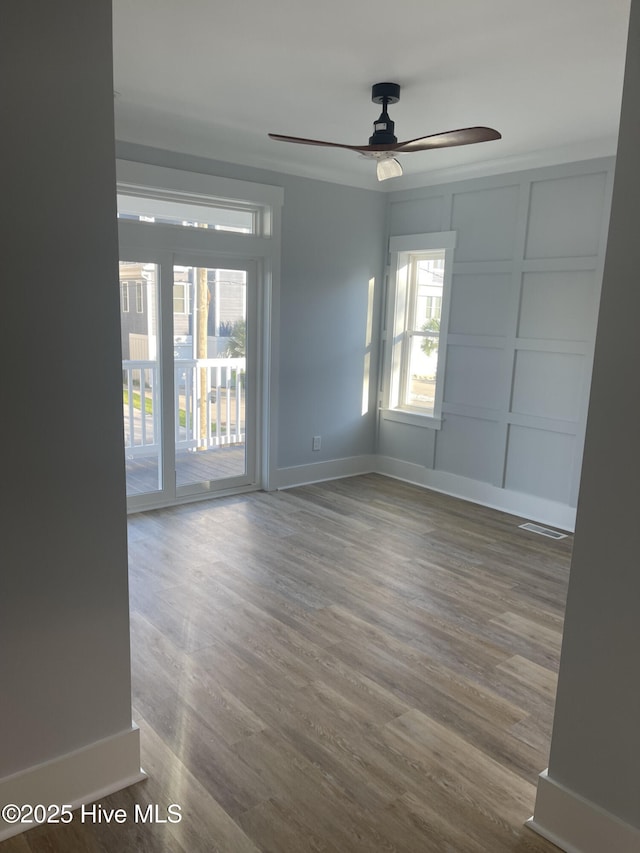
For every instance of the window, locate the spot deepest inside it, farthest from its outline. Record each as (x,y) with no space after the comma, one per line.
(139,297)
(124,296)
(419,288)
(180,297)
(433,306)
(187,211)
(422,335)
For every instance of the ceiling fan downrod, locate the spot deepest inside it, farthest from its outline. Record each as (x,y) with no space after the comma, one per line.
(383,127)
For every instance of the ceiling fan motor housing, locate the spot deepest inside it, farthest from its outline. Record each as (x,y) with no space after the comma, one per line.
(385,93)
(383,127)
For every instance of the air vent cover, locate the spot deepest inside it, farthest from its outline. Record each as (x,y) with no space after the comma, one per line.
(543,531)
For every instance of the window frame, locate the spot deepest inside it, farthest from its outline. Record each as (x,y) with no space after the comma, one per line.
(124,296)
(398,332)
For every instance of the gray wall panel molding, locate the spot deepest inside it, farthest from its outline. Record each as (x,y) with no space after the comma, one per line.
(482,267)
(588,262)
(559,346)
(562,170)
(521,328)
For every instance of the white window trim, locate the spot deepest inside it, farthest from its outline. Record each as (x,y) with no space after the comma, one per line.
(400,248)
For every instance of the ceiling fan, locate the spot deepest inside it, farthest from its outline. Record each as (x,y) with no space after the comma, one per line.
(383,144)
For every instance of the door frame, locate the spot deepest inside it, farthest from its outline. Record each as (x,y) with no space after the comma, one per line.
(263,247)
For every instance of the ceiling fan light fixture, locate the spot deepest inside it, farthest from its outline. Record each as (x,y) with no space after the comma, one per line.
(388,167)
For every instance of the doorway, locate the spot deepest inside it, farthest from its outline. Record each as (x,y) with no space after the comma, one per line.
(199,291)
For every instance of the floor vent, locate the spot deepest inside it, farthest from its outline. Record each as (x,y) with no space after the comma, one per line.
(543,531)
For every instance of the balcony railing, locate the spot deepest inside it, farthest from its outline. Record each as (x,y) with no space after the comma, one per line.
(209,404)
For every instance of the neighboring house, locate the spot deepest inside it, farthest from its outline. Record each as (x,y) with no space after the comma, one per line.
(134,311)
(138,311)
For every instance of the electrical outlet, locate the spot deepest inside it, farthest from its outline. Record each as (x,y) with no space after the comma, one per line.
(317,442)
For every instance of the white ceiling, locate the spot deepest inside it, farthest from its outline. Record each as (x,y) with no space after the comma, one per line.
(213,77)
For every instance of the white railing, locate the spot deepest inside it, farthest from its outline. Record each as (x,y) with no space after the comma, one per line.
(209,404)
(141,407)
(211,394)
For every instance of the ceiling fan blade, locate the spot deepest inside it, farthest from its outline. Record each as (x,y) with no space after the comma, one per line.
(302,141)
(464,136)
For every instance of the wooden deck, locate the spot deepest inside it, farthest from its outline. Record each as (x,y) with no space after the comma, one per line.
(191,467)
(359,666)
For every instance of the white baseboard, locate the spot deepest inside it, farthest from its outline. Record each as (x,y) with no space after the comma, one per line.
(516,503)
(318,472)
(408,472)
(577,825)
(76,778)
(526,506)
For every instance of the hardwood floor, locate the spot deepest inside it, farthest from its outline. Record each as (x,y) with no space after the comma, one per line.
(349,667)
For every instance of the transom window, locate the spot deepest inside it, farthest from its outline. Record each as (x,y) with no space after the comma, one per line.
(419,289)
(187,211)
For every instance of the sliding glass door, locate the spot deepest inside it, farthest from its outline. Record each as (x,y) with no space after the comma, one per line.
(214,379)
(190,376)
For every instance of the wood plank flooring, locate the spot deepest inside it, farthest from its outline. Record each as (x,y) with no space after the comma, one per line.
(349,667)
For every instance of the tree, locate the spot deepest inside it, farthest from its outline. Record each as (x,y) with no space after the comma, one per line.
(430,344)
(237,346)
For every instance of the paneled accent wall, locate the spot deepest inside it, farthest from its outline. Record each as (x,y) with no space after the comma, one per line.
(524,302)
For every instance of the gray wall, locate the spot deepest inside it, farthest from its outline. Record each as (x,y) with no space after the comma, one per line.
(332,246)
(64,631)
(525,291)
(595,750)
